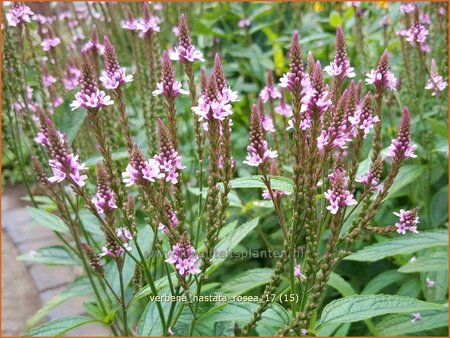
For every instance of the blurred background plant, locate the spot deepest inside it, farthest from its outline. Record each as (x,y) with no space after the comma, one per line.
(251,39)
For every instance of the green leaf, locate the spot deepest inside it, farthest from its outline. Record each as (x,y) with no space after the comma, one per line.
(229,242)
(340,284)
(438,293)
(59,326)
(69,122)
(246,281)
(91,222)
(406,244)
(384,279)
(438,207)
(48,220)
(149,324)
(396,325)
(79,287)
(335,19)
(277,182)
(439,127)
(435,262)
(406,175)
(51,255)
(359,307)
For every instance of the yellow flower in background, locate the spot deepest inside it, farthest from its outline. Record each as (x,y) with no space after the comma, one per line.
(382,4)
(318,7)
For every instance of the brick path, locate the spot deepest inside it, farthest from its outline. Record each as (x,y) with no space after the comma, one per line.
(25,286)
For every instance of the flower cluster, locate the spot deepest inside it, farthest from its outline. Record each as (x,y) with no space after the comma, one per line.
(93,45)
(184,257)
(269,92)
(371,179)
(64,164)
(401,147)
(381,77)
(340,67)
(338,196)
(72,76)
(104,198)
(169,160)
(19,14)
(140,170)
(114,76)
(436,82)
(364,119)
(417,35)
(185,52)
(168,87)
(112,248)
(408,221)
(90,97)
(258,150)
(173,221)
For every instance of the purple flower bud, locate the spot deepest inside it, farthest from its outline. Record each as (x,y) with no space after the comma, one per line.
(408,221)
(298,272)
(284,109)
(93,259)
(168,87)
(320,101)
(401,147)
(185,52)
(259,153)
(130,24)
(149,24)
(340,68)
(363,119)
(244,22)
(19,14)
(112,248)
(104,198)
(173,221)
(184,257)
(436,82)
(90,97)
(338,196)
(381,77)
(169,160)
(114,76)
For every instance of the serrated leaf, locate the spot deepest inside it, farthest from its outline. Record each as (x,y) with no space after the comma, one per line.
(51,255)
(396,325)
(406,244)
(48,220)
(360,307)
(246,281)
(59,326)
(277,182)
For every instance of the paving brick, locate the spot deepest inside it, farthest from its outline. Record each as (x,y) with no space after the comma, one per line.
(71,307)
(47,277)
(21,228)
(26,247)
(12,197)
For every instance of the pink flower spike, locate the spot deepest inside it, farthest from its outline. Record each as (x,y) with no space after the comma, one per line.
(408,221)
(19,14)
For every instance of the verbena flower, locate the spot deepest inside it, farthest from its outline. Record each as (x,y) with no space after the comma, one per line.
(169,160)
(168,87)
(114,76)
(283,108)
(277,194)
(131,23)
(47,79)
(258,150)
(298,272)
(93,259)
(244,22)
(401,147)
(72,76)
(436,83)
(90,97)
(112,248)
(19,14)
(371,179)
(430,283)
(267,123)
(64,164)
(50,42)
(407,7)
(364,119)
(381,77)
(148,24)
(140,170)
(269,92)
(184,257)
(173,221)
(338,196)
(416,317)
(340,67)
(185,52)
(93,45)
(408,220)
(103,200)
(320,100)
(417,34)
